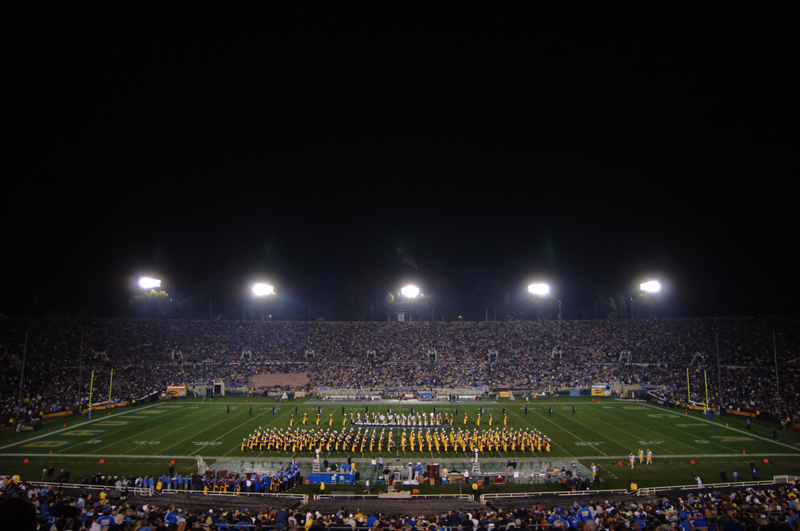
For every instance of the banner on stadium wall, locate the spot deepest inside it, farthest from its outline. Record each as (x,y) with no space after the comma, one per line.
(105,406)
(601,390)
(299,394)
(59,414)
(742,413)
(796,424)
(661,401)
(176,390)
(696,408)
(574,393)
(505,394)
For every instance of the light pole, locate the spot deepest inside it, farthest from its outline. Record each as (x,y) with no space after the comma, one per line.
(651,286)
(262,290)
(541,290)
(147,283)
(409,292)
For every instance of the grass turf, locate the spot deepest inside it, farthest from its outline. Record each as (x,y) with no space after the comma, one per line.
(143,439)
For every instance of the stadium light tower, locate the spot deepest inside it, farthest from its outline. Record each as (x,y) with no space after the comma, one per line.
(262,290)
(410,291)
(651,286)
(541,290)
(149,283)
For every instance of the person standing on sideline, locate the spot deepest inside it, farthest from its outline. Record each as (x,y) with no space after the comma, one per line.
(229,408)
(573,409)
(735,476)
(251,409)
(748,424)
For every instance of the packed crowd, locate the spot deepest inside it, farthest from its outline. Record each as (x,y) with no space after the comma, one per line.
(61,355)
(776,508)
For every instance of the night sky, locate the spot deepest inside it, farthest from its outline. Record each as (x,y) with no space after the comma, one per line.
(585,146)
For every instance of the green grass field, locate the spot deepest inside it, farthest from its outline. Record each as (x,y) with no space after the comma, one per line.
(143,439)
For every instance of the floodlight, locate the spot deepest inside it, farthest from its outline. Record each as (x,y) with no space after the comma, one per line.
(539,289)
(410,291)
(651,286)
(261,290)
(149,283)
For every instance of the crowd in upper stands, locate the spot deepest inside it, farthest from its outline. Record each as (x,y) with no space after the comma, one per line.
(28,507)
(60,355)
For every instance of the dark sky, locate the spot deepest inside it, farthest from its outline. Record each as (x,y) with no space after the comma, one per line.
(587,146)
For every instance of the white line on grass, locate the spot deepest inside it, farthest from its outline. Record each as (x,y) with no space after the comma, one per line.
(203,419)
(221,436)
(73,427)
(595,431)
(554,443)
(96,451)
(743,432)
(660,434)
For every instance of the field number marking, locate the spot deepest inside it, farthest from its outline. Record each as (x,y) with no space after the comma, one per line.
(730,438)
(651,443)
(701,441)
(95,441)
(46,444)
(147,442)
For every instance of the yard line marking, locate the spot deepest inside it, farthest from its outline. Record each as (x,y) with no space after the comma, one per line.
(745,432)
(231,431)
(597,432)
(204,418)
(617,418)
(70,428)
(95,451)
(559,427)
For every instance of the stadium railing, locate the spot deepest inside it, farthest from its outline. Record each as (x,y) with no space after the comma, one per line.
(485,497)
(241,495)
(413,496)
(132,491)
(742,484)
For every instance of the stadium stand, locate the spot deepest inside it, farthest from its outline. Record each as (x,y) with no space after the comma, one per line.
(148,355)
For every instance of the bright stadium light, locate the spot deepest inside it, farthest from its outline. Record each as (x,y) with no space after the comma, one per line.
(149,283)
(651,286)
(409,291)
(261,290)
(541,289)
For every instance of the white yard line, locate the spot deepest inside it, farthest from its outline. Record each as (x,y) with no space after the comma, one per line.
(50,434)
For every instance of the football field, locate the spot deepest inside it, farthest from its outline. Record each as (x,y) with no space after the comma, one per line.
(143,439)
